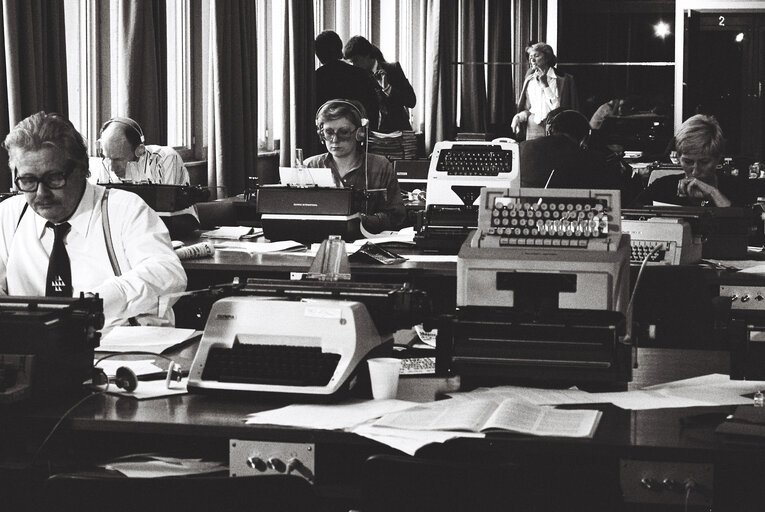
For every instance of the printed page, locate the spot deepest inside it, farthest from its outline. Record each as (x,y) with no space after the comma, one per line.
(442,415)
(543,421)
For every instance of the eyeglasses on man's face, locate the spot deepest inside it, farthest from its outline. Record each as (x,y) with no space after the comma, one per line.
(52,179)
(341,134)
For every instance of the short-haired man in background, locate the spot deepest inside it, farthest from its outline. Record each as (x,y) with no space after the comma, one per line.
(124,157)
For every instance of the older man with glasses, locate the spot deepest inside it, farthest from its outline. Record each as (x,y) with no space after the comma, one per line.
(65,236)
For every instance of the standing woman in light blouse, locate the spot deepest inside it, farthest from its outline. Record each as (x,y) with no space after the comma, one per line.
(544,89)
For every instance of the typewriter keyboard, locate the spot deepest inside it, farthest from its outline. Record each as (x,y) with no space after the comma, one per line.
(639,249)
(475,161)
(270,364)
(551,222)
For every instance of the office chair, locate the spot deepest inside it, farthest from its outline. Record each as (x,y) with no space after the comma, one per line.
(86,492)
(414,484)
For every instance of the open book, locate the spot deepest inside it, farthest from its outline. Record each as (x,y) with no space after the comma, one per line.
(488,416)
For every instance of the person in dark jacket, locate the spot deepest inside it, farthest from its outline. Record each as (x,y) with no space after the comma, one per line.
(336,78)
(561,159)
(700,144)
(395,93)
(545,88)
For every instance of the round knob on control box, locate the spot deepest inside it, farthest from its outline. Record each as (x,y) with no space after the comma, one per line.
(257,464)
(650,483)
(277,464)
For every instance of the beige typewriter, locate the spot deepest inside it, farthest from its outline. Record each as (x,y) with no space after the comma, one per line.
(308,347)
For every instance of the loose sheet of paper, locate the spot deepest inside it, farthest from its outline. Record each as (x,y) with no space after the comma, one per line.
(328,416)
(146,338)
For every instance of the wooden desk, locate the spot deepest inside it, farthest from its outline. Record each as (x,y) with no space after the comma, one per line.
(676,307)
(583,474)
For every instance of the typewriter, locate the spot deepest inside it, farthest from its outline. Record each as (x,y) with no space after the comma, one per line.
(542,292)
(308,214)
(663,240)
(724,232)
(457,173)
(46,350)
(165,198)
(305,338)
(6,195)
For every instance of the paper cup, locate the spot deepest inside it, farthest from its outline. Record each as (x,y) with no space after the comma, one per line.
(383,374)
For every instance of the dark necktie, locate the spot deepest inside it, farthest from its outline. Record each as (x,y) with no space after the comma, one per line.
(58,283)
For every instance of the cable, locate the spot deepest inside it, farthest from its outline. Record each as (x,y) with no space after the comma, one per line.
(58,424)
(628,313)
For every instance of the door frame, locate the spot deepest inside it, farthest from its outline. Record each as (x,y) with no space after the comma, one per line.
(681,8)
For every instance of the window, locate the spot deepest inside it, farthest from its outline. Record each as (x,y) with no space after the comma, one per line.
(91,75)
(270,34)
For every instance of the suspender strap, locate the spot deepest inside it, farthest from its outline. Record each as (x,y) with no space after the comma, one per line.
(108,234)
(23,211)
(110,245)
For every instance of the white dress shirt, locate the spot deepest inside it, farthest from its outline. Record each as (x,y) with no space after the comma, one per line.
(543,100)
(149,266)
(159,164)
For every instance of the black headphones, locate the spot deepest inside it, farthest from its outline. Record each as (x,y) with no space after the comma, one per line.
(565,116)
(361,131)
(126,379)
(134,126)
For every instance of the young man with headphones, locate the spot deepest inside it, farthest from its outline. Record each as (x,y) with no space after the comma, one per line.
(561,159)
(124,157)
(342,127)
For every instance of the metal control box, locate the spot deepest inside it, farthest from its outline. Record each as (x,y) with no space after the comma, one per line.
(252,458)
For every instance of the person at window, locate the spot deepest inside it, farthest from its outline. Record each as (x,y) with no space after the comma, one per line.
(614,107)
(61,212)
(700,145)
(545,88)
(124,157)
(395,93)
(336,78)
(341,125)
(561,159)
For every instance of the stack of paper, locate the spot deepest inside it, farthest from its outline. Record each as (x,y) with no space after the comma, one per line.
(233,232)
(395,145)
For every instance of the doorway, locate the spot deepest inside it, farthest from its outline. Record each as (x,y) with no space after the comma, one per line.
(723,75)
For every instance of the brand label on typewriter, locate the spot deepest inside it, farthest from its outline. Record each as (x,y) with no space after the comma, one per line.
(322,312)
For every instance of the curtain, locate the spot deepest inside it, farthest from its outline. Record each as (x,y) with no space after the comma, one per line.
(33,71)
(530,26)
(440,78)
(141,64)
(473,92)
(500,75)
(299,89)
(233,103)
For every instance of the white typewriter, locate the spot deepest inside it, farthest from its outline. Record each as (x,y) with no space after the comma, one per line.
(664,240)
(310,347)
(458,170)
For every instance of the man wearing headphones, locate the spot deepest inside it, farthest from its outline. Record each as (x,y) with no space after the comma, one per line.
(124,157)
(561,159)
(65,236)
(342,125)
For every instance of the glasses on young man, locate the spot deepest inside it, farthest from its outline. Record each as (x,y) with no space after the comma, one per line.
(52,179)
(340,135)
